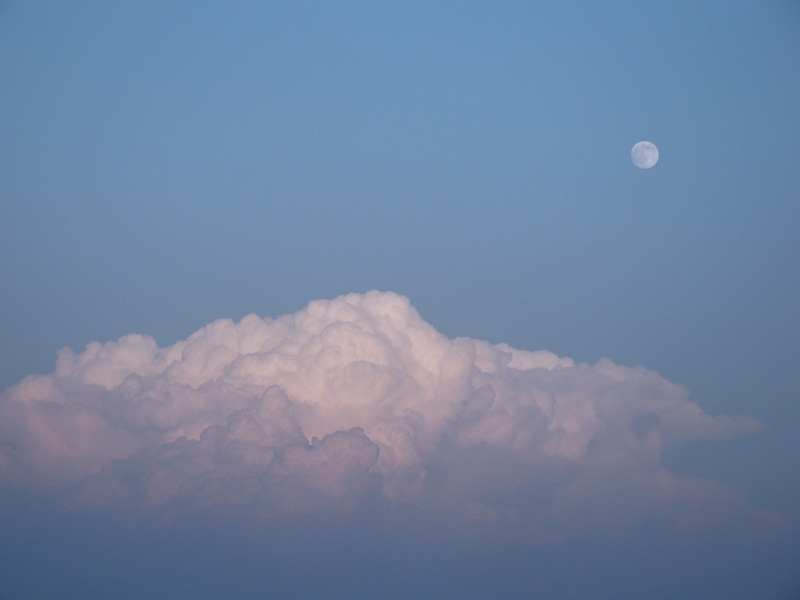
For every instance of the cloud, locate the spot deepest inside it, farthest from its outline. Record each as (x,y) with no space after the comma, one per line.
(349,403)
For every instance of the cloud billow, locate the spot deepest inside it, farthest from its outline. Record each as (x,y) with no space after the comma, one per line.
(352,402)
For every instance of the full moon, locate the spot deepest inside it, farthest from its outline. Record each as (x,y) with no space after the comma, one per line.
(644,155)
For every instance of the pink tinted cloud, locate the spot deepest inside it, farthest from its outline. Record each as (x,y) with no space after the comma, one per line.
(348,401)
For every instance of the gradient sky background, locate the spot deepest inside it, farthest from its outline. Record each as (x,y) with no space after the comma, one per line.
(163,165)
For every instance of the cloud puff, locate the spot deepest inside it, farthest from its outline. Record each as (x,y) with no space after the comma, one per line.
(349,402)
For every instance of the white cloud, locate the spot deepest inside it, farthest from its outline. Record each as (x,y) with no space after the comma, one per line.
(349,401)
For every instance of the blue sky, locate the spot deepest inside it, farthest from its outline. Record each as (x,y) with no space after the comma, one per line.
(164,166)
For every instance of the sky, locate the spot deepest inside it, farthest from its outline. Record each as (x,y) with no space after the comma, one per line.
(367,298)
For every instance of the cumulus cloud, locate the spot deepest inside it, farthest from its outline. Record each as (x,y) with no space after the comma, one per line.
(346,403)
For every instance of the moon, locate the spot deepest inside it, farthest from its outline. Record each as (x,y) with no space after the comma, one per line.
(644,155)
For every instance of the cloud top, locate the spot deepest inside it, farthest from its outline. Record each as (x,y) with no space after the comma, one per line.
(348,402)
